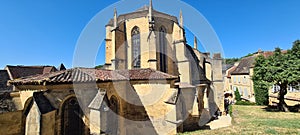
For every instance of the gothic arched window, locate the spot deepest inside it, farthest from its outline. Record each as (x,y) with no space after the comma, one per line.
(136,47)
(163,49)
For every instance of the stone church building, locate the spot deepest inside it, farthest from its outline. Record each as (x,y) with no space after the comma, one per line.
(152,82)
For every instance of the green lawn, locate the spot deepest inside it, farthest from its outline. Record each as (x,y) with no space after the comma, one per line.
(256,120)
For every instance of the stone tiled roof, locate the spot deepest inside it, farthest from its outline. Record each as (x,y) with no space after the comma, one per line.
(23,71)
(244,66)
(225,67)
(91,75)
(248,62)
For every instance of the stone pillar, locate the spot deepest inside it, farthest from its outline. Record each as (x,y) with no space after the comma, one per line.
(152,51)
(217,79)
(113,40)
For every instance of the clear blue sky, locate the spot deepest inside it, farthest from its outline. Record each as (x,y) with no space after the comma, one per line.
(45,32)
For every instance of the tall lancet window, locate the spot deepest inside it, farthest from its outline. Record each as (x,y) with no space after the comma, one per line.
(163,49)
(136,47)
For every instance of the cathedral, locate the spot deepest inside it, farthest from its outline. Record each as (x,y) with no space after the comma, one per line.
(152,82)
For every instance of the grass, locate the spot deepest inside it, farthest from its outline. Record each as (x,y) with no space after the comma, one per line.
(257,120)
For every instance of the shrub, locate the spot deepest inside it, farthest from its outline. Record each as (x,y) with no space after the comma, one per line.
(237,95)
(244,103)
(261,92)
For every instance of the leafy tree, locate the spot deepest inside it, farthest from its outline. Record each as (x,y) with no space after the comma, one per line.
(237,95)
(231,60)
(280,69)
(99,66)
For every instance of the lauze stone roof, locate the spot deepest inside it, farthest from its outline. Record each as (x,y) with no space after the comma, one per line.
(244,66)
(22,71)
(81,75)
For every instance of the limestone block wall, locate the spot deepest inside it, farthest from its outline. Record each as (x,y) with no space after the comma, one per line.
(108,45)
(143,25)
(151,111)
(24,95)
(190,108)
(48,123)
(208,71)
(11,123)
(289,95)
(218,83)
(244,84)
(121,47)
(95,122)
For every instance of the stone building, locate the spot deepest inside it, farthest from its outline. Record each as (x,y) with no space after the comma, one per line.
(239,77)
(153,82)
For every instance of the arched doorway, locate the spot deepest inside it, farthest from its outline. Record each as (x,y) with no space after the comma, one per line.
(72,123)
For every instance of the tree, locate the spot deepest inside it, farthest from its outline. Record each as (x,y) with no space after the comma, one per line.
(231,60)
(99,67)
(261,87)
(237,95)
(279,69)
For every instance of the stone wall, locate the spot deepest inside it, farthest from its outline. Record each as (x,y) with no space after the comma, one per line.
(6,103)
(48,123)
(4,77)
(244,84)
(11,123)
(151,113)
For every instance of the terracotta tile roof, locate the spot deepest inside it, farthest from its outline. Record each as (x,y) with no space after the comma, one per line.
(92,75)
(268,53)
(22,71)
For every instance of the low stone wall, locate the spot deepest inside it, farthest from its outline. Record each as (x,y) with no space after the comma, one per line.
(291,99)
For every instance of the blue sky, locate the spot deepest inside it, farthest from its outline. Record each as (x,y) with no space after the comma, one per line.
(46,32)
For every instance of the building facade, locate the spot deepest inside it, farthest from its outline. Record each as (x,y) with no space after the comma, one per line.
(152,82)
